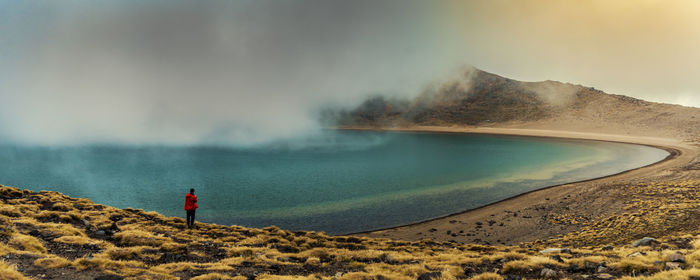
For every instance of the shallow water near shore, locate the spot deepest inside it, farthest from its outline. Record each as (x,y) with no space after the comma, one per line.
(338,182)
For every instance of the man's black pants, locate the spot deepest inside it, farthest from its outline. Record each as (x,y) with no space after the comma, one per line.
(190,218)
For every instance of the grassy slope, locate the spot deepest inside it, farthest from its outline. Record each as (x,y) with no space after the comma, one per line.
(51,236)
(47,235)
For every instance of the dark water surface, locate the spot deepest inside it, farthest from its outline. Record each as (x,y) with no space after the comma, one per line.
(343,181)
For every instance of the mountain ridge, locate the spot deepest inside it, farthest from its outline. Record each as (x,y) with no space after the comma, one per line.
(480,98)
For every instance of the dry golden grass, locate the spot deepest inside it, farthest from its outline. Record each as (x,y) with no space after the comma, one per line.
(217,276)
(140,238)
(146,245)
(75,240)
(654,209)
(129,253)
(52,262)
(27,243)
(487,276)
(8,272)
(125,268)
(530,264)
(670,274)
(9,210)
(587,261)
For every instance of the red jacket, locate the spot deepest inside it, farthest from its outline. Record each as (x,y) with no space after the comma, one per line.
(190,202)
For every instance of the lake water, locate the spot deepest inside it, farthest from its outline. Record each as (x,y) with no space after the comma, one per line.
(338,182)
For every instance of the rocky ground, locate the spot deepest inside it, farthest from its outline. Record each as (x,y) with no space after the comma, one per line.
(47,235)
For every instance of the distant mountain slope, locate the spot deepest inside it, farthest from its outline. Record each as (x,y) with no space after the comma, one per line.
(480,98)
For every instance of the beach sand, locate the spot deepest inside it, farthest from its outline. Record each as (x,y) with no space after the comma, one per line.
(537,215)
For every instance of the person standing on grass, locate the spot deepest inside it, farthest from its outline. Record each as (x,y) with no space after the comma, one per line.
(190,207)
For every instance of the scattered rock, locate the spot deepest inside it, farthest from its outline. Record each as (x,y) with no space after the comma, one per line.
(169,257)
(557,258)
(549,273)
(100,232)
(116,218)
(285,248)
(673,266)
(109,277)
(556,250)
(646,241)
(608,248)
(604,276)
(601,269)
(430,275)
(387,258)
(636,254)
(678,258)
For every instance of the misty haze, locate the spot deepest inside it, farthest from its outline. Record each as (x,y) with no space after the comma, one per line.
(328,139)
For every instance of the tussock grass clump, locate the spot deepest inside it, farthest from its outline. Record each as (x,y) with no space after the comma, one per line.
(173,247)
(689,274)
(97,263)
(75,240)
(636,266)
(587,261)
(487,276)
(283,277)
(10,192)
(130,253)
(52,262)
(217,276)
(8,272)
(60,229)
(27,243)
(58,216)
(9,210)
(530,264)
(140,238)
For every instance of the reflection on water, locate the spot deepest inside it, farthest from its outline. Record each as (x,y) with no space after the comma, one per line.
(338,182)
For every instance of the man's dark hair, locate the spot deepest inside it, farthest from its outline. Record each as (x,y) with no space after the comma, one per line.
(191,190)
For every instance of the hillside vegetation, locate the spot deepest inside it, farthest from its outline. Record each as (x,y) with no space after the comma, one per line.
(47,235)
(479,98)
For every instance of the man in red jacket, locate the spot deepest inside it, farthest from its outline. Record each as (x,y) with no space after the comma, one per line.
(190,206)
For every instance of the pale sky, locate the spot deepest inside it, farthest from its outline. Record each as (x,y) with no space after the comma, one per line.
(646,49)
(242,72)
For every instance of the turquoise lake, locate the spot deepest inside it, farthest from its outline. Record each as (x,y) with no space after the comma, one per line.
(338,182)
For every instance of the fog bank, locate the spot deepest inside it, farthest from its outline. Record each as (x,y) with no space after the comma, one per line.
(253,71)
(238,73)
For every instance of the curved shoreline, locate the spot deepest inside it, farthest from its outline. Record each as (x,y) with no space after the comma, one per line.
(673,153)
(409,231)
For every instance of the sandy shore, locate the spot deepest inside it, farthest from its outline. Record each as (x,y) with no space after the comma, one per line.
(527,217)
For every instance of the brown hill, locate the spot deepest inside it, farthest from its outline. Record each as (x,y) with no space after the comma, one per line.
(480,98)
